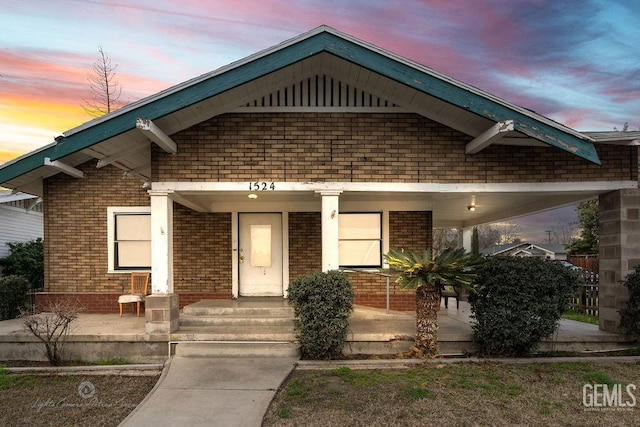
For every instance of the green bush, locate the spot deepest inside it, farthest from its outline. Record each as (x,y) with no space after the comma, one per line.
(26,260)
(518,302)
(13,296)
(630,315)
(322,303)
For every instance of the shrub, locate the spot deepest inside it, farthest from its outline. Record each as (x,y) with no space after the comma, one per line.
(322,303)
(26,260)
(52,327)
(630,315)
(518,302)
(14,291)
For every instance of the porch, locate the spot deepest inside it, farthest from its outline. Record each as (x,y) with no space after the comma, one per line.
(227,325)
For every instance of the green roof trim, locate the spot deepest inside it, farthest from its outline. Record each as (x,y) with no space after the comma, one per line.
(280,57)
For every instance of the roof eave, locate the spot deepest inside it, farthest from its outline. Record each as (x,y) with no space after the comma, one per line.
(321,39)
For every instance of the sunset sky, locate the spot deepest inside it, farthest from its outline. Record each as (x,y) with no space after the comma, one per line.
(575,61)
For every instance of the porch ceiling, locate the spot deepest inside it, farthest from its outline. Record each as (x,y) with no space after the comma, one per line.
(450,209)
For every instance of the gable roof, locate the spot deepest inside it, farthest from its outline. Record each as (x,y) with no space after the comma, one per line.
(514,248)
(323,50)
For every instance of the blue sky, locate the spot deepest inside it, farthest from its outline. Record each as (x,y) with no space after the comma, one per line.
(574,61)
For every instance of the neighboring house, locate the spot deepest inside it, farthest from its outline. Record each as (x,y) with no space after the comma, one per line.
(20,219)
(320,153)
(551,251)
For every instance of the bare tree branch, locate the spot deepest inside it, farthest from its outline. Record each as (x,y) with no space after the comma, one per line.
(105,89)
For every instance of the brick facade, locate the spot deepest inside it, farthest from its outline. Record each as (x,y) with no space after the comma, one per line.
(407,230)
(305,243)
(352,147)
(202,252)
(299,147)
(75,228)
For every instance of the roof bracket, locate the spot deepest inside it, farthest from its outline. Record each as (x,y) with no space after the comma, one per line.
(155,134)
(63,167)
(488,137)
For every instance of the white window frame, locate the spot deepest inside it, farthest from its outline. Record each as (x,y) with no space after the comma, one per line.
(380,239)
(111,228)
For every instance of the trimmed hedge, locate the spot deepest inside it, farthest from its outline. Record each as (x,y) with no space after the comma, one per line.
(518,302)
(630,315)
(322,303)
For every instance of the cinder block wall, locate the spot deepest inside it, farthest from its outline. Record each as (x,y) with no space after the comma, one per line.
(619,215)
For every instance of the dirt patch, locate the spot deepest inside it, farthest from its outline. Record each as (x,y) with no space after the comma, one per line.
(70,400)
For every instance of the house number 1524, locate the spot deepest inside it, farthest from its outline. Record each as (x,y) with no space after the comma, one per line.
(261,186)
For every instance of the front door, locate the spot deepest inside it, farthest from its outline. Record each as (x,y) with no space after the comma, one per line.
(260,254)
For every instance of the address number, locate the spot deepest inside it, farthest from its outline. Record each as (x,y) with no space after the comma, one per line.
(262,186)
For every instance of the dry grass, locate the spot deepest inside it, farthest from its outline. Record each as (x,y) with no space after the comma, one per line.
(33,400)
(460,394)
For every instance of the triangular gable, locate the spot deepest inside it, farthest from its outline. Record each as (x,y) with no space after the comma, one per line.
(322,40)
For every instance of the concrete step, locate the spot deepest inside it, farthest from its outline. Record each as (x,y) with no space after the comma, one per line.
(196,310)
(235,333)
(197,320)
(236,349)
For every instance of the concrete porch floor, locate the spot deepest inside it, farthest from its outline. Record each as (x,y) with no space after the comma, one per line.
(103,336)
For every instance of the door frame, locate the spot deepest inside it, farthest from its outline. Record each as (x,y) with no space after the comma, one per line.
(235,238)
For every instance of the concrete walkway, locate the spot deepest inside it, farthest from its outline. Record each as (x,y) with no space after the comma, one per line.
(213,391)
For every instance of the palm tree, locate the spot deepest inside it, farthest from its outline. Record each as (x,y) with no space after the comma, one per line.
(451,267)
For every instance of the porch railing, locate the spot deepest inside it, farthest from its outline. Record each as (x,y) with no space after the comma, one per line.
(375,273)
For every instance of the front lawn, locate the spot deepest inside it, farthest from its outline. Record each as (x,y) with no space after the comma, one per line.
(458,394)
(581,317)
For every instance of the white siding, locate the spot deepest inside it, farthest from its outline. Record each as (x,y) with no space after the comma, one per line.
(18,225)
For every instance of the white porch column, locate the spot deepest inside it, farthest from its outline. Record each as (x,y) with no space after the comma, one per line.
(330,212)
(161,242)
(467,233)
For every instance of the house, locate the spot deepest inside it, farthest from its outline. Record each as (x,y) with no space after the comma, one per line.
(523,249)
(320,153)
(20,219)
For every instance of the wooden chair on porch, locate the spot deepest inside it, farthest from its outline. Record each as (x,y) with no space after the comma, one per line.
(447,292)
(139,289)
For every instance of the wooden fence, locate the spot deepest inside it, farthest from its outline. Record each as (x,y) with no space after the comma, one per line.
(587,299)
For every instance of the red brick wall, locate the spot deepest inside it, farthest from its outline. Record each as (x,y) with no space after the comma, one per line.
(91,302)
(202,252)
(348,147)
(105,303)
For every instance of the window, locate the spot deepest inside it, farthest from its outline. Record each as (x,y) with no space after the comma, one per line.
(129,236)
(360,236)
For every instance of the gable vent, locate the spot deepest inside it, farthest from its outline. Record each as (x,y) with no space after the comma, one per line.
(319,92)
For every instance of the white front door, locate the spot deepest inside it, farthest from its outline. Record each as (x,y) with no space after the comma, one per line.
(260,254)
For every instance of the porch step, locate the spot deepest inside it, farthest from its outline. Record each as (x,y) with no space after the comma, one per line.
(234,333)
(236,349)
(232,308)
(234,320)
(239,311)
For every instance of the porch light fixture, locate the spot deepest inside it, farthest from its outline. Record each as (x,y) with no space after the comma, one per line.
(472,206)
(252,196)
